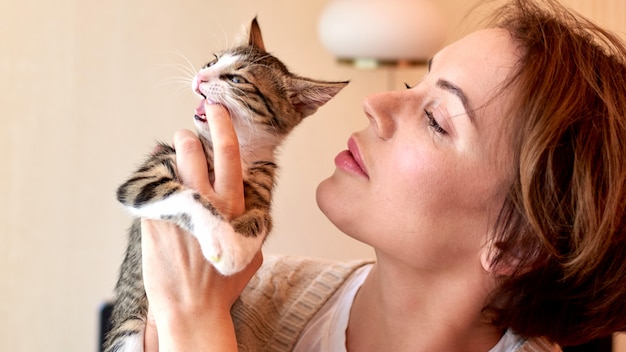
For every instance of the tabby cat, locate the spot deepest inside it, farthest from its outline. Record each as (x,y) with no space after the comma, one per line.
(265,102)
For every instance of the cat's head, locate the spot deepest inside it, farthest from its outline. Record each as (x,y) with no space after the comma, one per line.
(264,99)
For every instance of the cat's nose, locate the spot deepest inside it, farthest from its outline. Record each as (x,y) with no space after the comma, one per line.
(195,85)
(203,76)
(197,81)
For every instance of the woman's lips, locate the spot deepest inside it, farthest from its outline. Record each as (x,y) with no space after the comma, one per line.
(350,160)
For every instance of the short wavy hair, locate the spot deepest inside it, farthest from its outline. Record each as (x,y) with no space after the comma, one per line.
(562,226)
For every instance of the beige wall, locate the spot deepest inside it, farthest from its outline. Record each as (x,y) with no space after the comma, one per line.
(86,87)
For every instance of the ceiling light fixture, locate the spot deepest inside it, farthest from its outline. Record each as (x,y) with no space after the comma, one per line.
(370,33)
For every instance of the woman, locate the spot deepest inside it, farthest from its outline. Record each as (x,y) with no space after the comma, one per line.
(493,193)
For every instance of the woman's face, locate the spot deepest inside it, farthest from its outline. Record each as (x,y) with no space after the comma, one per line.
(424,182)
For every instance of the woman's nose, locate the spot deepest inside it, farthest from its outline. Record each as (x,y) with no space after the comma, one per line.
(379,109)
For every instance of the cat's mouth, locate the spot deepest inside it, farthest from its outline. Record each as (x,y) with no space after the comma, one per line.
(200,113)
(201,119)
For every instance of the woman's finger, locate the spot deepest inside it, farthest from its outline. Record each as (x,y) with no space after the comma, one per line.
(228,173)
(191,161)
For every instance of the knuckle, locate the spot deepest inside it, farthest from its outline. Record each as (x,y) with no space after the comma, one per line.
(188,144)
(230,151)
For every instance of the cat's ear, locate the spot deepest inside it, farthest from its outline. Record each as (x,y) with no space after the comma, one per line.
(308,95)
(254,36)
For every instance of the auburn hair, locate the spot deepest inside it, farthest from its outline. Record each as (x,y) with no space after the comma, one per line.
(563,223)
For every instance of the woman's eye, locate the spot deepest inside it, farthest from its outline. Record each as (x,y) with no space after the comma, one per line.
(433,123)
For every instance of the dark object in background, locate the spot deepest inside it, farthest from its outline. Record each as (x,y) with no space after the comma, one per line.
(105,323)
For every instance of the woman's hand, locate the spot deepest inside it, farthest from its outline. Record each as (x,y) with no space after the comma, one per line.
(189,300)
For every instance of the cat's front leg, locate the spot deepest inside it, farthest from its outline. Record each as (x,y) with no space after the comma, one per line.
(155,180)
(228,250)
(154,190)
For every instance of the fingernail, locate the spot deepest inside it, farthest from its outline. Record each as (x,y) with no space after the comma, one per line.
(214,109)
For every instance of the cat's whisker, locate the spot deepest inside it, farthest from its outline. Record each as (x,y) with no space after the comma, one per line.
(254,63)
(226,44)
(181,83)
(221,40)
(190,67)
(181,87)
(260,58)
(187,71)
(180,78)
(183,92)
(177,80)
(240,108)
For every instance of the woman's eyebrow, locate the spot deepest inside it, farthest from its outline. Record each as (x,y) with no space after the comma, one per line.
(454,89)
(458,92)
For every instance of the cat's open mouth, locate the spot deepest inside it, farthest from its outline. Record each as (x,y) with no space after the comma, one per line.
(200,113)
(200,118)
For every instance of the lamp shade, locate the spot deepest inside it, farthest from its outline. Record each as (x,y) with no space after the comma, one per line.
(382,30)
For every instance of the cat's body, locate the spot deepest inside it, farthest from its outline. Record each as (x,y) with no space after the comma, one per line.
(265,102)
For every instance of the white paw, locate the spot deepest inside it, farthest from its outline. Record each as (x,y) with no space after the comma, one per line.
(228,251)
(133,343)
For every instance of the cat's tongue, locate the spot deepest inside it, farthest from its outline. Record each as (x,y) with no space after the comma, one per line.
(200,109)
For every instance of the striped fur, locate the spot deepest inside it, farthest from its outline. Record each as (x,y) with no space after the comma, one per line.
(265,102)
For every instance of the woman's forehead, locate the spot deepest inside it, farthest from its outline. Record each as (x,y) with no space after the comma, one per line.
(478,63)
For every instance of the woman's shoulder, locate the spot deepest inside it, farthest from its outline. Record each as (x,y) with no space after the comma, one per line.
(284,279)
(283,296)
(538,344)
(512,342)
(305,269)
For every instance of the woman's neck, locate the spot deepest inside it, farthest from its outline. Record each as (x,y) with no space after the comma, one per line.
(404,309)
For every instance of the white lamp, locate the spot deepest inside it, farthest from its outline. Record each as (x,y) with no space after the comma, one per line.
(374,32)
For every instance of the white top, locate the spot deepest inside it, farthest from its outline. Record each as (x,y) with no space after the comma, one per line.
(326,331)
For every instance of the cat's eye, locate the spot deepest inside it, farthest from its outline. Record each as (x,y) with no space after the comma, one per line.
(236,79)
(211,63)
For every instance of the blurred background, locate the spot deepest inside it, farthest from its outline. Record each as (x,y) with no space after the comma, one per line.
(88,86)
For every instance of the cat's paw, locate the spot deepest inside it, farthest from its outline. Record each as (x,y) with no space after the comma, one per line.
(228,251)
(133,342)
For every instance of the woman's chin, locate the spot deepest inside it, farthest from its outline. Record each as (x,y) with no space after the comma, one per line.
(331,201)
(325,195)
